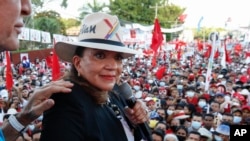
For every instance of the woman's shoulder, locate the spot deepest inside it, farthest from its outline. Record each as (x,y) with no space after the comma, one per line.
(77,93)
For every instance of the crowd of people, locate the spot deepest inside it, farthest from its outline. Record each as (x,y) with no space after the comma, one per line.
(171,92)
(178,106)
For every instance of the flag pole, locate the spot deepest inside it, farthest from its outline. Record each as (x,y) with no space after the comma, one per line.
(213,37)
(156,9)
(204,41)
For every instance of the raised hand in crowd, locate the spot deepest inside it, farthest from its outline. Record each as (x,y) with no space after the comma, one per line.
(38,103)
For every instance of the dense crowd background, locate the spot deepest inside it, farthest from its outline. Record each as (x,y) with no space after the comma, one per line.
(173,89)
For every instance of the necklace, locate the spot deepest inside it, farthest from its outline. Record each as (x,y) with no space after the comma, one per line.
(114,108)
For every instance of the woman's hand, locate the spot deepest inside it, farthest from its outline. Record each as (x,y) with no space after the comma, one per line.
(137,114)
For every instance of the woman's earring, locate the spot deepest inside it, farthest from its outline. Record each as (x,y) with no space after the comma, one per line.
(78,74)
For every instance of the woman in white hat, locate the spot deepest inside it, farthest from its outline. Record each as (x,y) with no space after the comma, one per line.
(92,111)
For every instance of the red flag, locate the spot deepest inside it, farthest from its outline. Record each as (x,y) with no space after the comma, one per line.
(179,54)
(237,48)
(200,46)
(179,44)
(9,79)
(157,37)
(148,52)
(55,65)
(228,59)
(49,61)
(154,60)
(160,72)
(208,52)
(164,56)
(247,54)
(217,54)
(182,18)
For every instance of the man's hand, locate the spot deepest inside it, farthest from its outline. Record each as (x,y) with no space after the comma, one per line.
(40,102)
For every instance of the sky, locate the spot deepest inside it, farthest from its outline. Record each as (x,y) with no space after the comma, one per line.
(215,12)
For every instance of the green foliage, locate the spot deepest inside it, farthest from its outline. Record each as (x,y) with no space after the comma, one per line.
(133,11)
(70,22)
(89,8)
(41,3)
(64,3)
(205,32)
(143,12)
(38,3)
(49,21)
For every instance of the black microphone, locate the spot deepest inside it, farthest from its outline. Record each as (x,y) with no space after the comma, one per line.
(126,92)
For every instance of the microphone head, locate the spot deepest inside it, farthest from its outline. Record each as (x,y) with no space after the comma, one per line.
(125,90)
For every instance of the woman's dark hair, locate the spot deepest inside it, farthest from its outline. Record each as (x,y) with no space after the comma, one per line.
(98,95)
(192,109)
(194,132)
(159,132)
(181,127)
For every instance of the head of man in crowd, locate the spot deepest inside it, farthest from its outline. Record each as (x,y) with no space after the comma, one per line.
(194,136)
(196,122)
(215,107)
(227,118)
(208,121)
(11,22)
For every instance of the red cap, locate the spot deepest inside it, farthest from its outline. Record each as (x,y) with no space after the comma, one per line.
(245,107)
(243,79)
(181,115)
(213,85)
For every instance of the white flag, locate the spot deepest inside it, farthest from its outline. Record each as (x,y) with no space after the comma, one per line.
(45,37)
(25,34)
(35,35)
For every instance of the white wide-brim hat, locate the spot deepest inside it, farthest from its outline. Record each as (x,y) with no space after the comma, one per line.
(98,31)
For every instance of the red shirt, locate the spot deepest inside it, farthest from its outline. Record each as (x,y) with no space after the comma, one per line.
(193,100)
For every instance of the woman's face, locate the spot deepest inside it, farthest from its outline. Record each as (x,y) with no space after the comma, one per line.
(99,67)
(181,132)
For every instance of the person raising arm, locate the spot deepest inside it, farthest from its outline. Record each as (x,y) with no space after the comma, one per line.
(12,13)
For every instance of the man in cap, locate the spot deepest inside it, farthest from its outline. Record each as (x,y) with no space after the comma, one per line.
(237,116)
(206,135)
(245,114)
(222,133)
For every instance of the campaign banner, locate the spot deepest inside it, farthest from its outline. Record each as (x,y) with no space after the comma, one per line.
(35,35)
(45,37)
(25,34)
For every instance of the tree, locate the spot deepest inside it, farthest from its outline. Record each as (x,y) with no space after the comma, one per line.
(133,11)
(39,4)
(205,32)
(49,21)
(71,22)
(90,8)
(142,11)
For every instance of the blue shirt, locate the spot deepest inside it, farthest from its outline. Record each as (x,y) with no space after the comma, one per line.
(1,135)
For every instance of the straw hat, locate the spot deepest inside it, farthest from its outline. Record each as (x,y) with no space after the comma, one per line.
(98,31)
